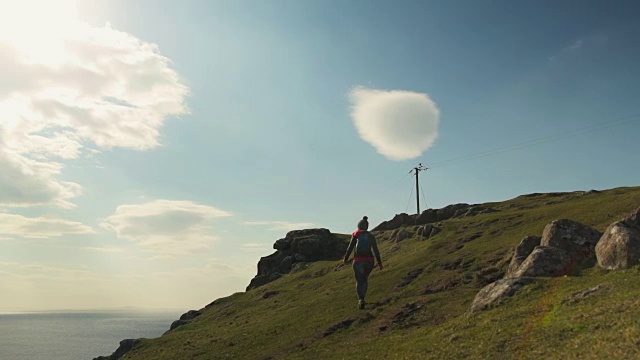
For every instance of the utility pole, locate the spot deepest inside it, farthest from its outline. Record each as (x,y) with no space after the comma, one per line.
(416,170)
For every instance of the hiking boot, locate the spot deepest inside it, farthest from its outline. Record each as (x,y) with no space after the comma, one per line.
(361,304)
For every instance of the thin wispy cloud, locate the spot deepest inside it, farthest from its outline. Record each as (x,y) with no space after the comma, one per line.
(255,247)
(40,227)
(280,225)
(104,249)
(399,124)
(581,45)
(166,227)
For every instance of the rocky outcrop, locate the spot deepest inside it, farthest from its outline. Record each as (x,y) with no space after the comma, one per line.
(494,293)
(296,247)
(126,345)
(433,216)
(427,231)
(185,319)
(565,248)
(619,247)
(523,250)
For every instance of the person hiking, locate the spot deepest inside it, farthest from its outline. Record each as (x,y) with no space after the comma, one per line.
(365,246)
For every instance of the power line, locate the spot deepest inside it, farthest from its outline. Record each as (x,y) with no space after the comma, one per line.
(560,136)
(410,196)
(423,198)
(384,203)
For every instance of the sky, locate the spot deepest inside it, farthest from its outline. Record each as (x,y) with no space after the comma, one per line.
(152,151)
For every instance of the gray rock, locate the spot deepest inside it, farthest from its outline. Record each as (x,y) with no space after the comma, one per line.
(300,258)
(299,267)
(634,218)
(286,263)
(275,276)
(544,261)
(619,247)
(424,232)
(308,245)
(449,211)
(178,323)
(282,244)
(428,216)
(126,345)
(258,281)
(398,221)
(521,252)
(401,235)
(191,314)
(271,263)
(494,293)
(578,240)
(434,231)
(185,319)
(298,246)
(569,235)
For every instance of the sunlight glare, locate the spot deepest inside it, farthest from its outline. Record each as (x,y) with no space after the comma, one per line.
(38,28)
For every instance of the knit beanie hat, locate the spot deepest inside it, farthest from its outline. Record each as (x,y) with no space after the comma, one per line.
(363,224)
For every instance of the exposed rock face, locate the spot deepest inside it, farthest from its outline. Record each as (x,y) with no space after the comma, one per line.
(544,261)
(523,250)
(619,247)
(185,319)
(433,216)
(495,292)
(126,345)
(398,221)
(298,246)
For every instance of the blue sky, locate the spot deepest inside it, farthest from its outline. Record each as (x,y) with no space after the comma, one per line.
(151,161)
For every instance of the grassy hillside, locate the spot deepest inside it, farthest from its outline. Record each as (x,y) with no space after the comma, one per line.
(418,302)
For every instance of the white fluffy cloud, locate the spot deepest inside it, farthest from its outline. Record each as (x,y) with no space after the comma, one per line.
(400,124)
(40,227)
(280,225)
(67,88)
(165,226)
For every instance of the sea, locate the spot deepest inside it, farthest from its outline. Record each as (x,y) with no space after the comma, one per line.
(76,335)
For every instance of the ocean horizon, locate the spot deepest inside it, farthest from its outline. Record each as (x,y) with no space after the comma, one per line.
(76,334)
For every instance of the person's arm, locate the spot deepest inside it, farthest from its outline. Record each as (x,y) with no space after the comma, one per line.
(352,244)
(376,252)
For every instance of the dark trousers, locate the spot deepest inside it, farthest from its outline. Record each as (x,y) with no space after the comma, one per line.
(362,269)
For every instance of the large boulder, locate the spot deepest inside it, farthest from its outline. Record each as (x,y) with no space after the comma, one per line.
(401,235)
(544,261)
(522,251)
(619,247)
(297,246)
(569,235)
(496,292)
(576,239)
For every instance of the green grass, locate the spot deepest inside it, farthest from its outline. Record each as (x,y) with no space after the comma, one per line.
(425,317)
